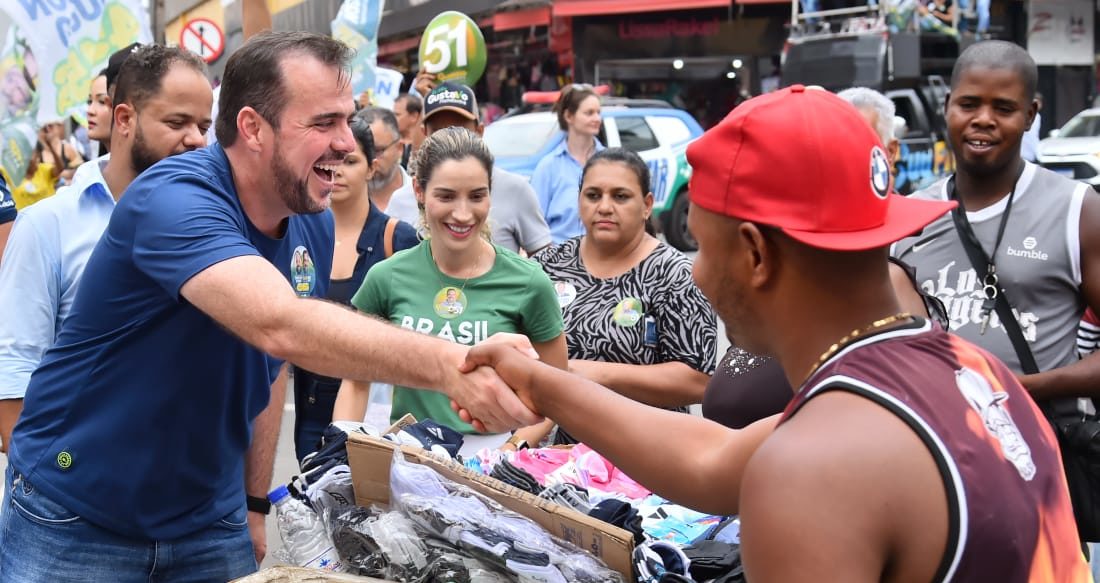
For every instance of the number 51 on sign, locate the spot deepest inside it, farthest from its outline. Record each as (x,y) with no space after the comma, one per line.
(453,48)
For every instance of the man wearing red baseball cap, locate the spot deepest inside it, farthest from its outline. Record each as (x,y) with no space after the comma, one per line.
(906,454)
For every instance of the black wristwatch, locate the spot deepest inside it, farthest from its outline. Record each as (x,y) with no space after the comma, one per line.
(258,505)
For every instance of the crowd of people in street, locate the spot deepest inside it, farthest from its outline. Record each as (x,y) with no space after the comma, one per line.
(888,409)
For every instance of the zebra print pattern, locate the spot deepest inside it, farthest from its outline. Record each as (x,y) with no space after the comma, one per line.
(686,330)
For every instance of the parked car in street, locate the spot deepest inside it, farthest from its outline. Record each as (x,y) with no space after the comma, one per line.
(660,135)
(1074,149)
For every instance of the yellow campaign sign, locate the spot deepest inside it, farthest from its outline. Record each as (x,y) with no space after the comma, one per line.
(72,76)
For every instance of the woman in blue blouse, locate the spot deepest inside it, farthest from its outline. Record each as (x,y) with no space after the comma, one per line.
(557,177)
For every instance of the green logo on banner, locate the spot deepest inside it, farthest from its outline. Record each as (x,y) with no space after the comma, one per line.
(453,48)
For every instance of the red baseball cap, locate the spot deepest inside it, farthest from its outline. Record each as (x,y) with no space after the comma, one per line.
(805,161)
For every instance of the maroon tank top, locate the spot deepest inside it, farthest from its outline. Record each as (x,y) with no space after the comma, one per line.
(1009,514)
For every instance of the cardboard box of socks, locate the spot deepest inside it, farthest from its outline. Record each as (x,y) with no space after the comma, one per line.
(370,459)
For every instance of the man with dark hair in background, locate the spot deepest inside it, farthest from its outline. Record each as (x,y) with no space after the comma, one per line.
(140,450)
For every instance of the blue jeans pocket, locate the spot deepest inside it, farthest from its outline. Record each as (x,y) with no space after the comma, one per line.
(35,506)
(236,520)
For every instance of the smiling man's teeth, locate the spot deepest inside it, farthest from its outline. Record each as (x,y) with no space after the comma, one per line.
(328,169)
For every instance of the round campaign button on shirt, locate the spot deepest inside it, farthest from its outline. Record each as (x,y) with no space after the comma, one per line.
(628,312)
(566,292)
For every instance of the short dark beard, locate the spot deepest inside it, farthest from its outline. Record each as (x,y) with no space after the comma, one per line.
(293,192)
(142,157)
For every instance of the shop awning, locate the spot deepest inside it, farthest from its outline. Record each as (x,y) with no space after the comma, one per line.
(539,16)
(597,7)
(406,16)
(398,46)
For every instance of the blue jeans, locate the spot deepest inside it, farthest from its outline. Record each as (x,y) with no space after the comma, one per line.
(982,9)
(43,541)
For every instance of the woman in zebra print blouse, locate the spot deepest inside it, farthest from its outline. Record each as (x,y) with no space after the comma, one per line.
(634,320)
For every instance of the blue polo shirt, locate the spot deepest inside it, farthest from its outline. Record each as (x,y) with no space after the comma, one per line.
(139,416)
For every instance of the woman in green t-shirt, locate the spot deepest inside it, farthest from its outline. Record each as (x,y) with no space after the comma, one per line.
(456,284)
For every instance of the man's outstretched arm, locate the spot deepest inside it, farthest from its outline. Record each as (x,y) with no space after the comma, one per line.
(332,340)
(688,459)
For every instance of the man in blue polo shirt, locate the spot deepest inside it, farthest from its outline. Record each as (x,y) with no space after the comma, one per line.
(130,455)
(47,253)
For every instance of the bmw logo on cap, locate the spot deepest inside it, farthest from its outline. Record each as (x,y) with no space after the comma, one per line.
(880,173)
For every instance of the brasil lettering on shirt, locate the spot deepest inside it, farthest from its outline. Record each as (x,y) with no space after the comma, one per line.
(467,332)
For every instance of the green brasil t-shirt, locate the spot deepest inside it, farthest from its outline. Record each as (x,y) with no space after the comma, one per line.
(515,295)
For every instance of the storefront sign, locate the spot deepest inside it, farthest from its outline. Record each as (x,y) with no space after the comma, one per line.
(669,28)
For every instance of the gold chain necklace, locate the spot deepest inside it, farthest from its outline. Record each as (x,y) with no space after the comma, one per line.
(877,324)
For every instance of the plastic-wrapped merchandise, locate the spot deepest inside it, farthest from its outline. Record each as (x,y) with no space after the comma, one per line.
(331,490)
(493,534)
(378,544)
(387,545)
(358,551)
(305,537)
(450,565)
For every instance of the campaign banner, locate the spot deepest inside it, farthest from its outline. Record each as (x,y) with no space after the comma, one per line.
(387,87)
(356,25)
(72,41)
(18,104)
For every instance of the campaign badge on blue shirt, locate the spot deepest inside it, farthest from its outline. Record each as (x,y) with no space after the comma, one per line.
(302,272)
